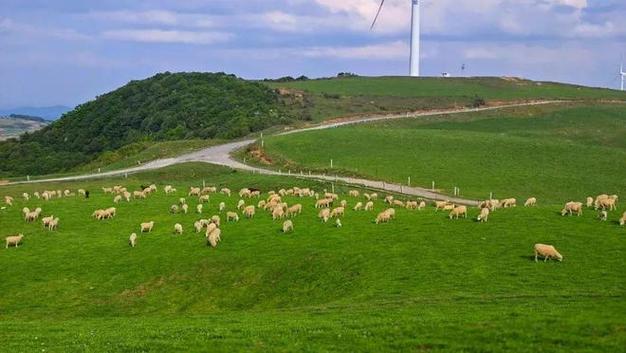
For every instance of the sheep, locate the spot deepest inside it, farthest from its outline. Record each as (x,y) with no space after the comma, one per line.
(167,189)
(323,203)
(338,223)
(589,202)
(398,203)
(391,212)
(222,206)
(343,203)
(203,199)
(199,209)
(598,199)
(107,190)
(287,226)
(255,193)
(152,187)
(530,202)
(54,224)
(369,206)
(112,211)
(26,196)
(358,206)
(194,191)
(36,194)
(198,226)
(382,217)
(506,203)
(232,216)
(241,204)
(324,214)
(421,205)
(208,189)
(603,215)
(411,205)
(178,228)
(225,191)
(15,240)
(572,207)
(67,193)
(45,196)
(457,211)
(373,196)
(389,199)
(210,228)
(185,208)
(8,200)
(117,199)
(214,238)
(331,196)
(46,221)
(139,195)
(367,196)
(174,209)
(147,227)
(249,211)
(278,213)
(261,204)
(339,211)
(182,201)
(449,207)
(244,192)
(25,211)
(547,252)
(294,210)
(608,203)
(354,193)
(440,205)
(216,220)
(622,220)
(484,215)
(126,196)
(132,240)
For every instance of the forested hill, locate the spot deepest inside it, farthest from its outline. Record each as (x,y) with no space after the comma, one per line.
(164,107)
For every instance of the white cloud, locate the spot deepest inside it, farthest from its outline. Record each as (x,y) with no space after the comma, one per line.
(386,51)
(167,36)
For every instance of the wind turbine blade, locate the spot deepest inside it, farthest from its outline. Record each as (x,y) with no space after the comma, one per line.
(380,8)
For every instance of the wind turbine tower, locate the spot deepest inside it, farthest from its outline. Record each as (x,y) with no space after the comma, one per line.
(622,73)
(414,60)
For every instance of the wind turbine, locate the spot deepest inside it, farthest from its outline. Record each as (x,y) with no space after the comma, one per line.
(622,73)
(415,35)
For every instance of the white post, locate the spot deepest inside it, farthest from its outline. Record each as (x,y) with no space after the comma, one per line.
(203,183)
(289,172)
(433,188)
(415,39)
(491,196)
(333,187)
(331,163)
(125,175)
(408,183)
(98,170)
(262,141)
(28,178)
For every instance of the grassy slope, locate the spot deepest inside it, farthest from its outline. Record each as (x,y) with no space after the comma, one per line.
(554,153)
(421,283)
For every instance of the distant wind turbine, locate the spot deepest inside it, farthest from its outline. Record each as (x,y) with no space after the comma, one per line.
(415,36)
(622,74)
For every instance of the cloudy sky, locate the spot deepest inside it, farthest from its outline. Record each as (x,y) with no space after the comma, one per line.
(69,51)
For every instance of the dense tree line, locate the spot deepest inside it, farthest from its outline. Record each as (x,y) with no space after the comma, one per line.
(164,107)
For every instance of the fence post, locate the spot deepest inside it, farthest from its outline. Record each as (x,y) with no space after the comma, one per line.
(331,163)
(409,182)
(28,178)
(491,196)
(433,188)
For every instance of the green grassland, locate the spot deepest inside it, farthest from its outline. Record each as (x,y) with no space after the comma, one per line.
(556,153)
(422,283)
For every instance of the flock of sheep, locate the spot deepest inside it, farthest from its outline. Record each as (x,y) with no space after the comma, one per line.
(329,204)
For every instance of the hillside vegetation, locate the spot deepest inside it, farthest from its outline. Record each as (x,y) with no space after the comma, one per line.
(552,152)
(164,107)
(422,283)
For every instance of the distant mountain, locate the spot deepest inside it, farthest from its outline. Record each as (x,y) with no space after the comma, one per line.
(48,113)
(15,125)
(26,117)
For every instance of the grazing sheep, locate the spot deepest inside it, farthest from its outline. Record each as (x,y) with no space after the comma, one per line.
(198,226)
(398,203)
(261,204)
(373,196)
(391,212)
(324,214)
(199,208)
(572,207)
(440,205)
(46,221)
(367,196)
(530,202)
(26,196)
(107,190)
(203,199)
(287,226)
(147,227)
(25,211)
(245,192)
(484,214)
(294,210)
(210,228)
(458,211)
(421,205)
(139,195)
(343,203)
(278,213)
(338,223)
(507,203)
(249,211)
(449,207)
(126,196)
(14,240)
(589,202)
(598,199)
(214,237)
(216,220)
(167,189)
(8,200)
(389,199)
(232,216)
(323,203)
(182,201)
(222,206)
(547,252)
(255,193)
(369,206)
(411,205)
(178,228)
(174,209)
(225,191)
(132,240)
(185,208)
(208,189)
(358,206)
(54,224)
(241,204)
(117,199)
(608,203)
(112,211)
(354,193)
(603,215)
(339,211)
(382,217)
(622,220)
(194,191)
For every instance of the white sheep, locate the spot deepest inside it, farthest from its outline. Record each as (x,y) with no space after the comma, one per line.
(603,215)
(225,191)
(287,226)
(249,211)
(174,209)
(369,206)
(117,199)
(203,199)
(15,240)
(354,193)
(198,226)
(54,224)
(338,223)
(232,216)
(336,212)
(589,202)
(178,228)
(194,191)
(26,196)
(622,220)
(185,208)
(358,206)
(147,227)
(222,206)
(214,237)
(199,208)
(241,204)
(132,240)
(216,220)
(572,207)
(547,252)
(294,210)
(383,217)
(278,213)
(182,201)
(530,202)
(458,211)
(324,214)
(484,214)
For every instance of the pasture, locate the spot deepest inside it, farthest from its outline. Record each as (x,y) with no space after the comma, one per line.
(420,283)
(554,153)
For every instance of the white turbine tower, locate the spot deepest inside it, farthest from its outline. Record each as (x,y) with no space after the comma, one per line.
(622,73)
(415,35)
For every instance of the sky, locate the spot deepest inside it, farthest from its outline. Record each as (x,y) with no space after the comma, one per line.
(70,51)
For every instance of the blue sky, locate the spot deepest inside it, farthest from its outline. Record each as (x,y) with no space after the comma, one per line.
(69,51)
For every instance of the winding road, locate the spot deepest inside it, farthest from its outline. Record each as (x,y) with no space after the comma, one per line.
(221,155)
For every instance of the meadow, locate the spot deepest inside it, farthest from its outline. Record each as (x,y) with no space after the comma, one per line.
(556,153)
(421,283)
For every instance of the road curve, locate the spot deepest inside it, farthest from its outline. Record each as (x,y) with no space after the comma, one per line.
(221,155)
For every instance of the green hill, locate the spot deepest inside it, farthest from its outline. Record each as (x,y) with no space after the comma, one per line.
(422,283)
(164,107)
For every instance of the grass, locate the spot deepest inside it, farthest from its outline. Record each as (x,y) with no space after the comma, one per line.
(555,153)
(421,283)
